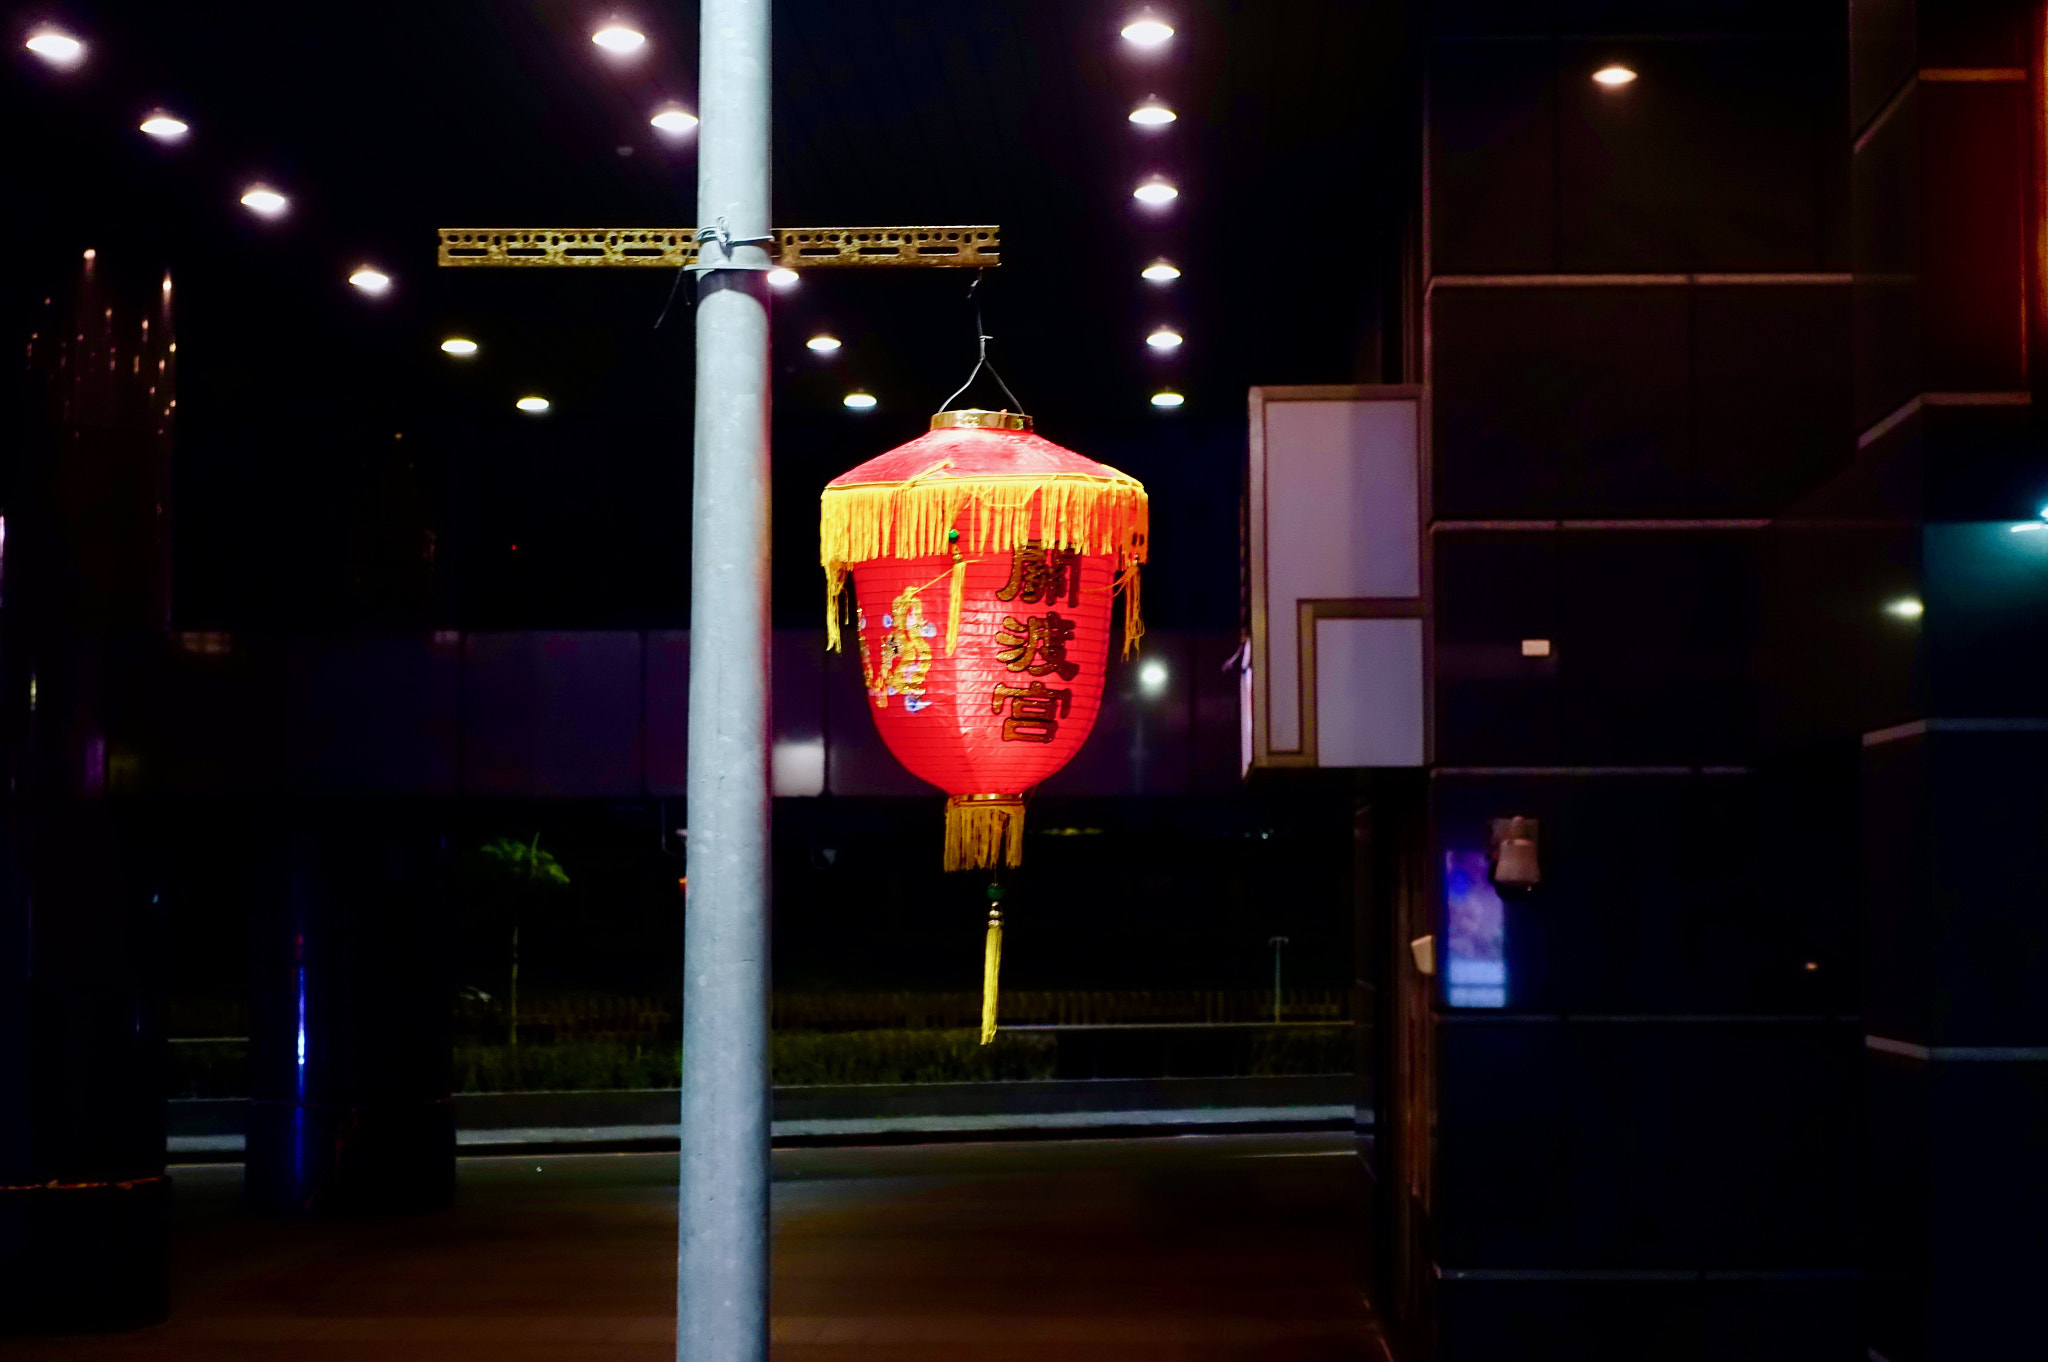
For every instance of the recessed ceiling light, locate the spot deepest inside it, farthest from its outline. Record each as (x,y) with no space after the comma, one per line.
(674,119)
(1165,338)
(1167,397)
(459,345)
(1152,114)
(1147,32)
(164,127)
(1614,75)
(858,401)
(618,38)
(1905,608)
(266,202)
(56,48)
(370,280)
(780,277)
(1155,190)
(823,343)
(1161,271)
(532,405)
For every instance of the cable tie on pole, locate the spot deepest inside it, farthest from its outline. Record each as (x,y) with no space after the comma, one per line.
(720,236)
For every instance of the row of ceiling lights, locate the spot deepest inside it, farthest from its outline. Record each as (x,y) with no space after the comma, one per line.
(64,50)
(1145,31)
(1149,32)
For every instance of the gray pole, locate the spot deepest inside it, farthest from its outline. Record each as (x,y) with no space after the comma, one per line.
(722,1257)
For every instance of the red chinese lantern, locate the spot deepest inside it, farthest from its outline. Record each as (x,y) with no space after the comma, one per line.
(984,559)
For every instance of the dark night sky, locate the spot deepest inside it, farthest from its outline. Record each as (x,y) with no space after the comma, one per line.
(383,122)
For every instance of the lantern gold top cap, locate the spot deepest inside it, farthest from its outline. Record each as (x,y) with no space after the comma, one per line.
(975,418)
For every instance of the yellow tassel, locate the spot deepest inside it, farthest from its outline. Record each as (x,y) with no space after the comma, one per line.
(984,831)
(991,966)
(835,583)
(994,514)
(1134,620)
(957,589)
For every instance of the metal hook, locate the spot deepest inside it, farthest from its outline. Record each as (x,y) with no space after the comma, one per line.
(982,338)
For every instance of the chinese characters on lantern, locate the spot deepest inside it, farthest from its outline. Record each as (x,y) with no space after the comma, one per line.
(1041,574)
(1036,645)
(1035,711)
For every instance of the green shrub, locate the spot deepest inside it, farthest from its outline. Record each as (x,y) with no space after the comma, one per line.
(795,1057)
(1302,1050)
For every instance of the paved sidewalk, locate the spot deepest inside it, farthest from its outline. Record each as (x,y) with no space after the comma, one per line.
(1196,1248)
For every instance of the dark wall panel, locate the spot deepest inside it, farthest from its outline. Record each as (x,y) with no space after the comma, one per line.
(1771,391)
(1671,895)
(1885,236)
(1492,704)
(1712,160)
(667,668)
(376,713)
(1709,401)
(554,714)
(1666,1145)
(1559,401)
(1976,240)
(1651,639)
(1493,160)
(1653,647)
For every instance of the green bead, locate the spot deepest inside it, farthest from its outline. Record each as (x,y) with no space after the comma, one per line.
(995,893)
(952,536)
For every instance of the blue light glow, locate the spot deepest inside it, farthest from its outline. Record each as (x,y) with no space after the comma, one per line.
(1475,961)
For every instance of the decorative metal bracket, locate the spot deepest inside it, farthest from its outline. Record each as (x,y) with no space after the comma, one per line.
(796,248)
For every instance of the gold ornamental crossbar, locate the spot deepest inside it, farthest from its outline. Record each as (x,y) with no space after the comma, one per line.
(797,248)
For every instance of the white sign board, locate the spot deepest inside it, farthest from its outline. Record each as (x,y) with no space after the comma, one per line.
(1335,667)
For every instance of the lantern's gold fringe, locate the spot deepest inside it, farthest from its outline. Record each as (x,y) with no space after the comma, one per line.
(991,966)
(984,831)
(1000,513)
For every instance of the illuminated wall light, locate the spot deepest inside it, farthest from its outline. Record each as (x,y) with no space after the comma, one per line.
(674,119)
(533,406)
(1161,272)
(1165,338)
(780,277)
(165,127)
(1155,191)
(1614,76)
(459,345)
(55,47)
(858,401)
(618,39)
(264,202)
(370,281)
(1905,608)
(823,343)
(1152,114)
(1152,677)
(1147,32)
(90,254)
(2029,526)
(1167,397)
